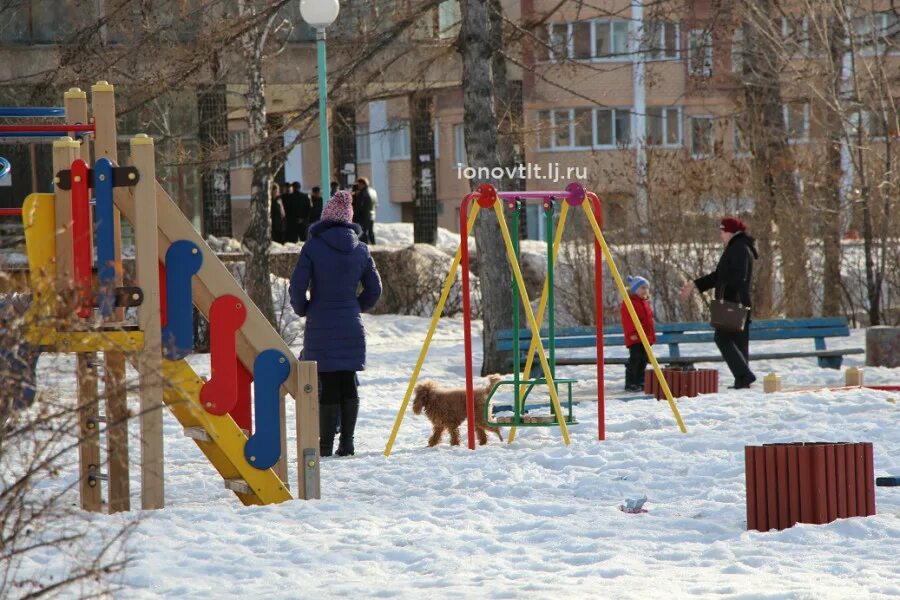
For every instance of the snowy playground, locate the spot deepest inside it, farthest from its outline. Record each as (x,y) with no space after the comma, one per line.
(535,519)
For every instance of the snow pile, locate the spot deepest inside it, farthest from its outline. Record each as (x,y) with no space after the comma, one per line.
(401,234)
(535,519)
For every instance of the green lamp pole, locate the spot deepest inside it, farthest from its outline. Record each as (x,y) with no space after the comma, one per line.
(320,14)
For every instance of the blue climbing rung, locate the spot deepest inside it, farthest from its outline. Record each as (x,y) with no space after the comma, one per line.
(183,261)
(106,235)
(32,112)
(270,369)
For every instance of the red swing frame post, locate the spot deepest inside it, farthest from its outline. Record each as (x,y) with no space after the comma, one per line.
(486,196)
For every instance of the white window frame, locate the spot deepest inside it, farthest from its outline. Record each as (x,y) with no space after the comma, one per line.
(459,144)
(397,127)
(238,142)
(613,56)
(737,50)
(712,136)
(614,113)
(665,126)
(786,111)
(706,70)
(864,116)
(878,20)
(804,24)
(659,44)
(572,147)
(570,42)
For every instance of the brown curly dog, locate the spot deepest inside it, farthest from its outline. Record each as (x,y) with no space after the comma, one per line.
(446,409)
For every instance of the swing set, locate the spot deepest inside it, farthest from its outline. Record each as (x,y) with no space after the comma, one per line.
(487,197)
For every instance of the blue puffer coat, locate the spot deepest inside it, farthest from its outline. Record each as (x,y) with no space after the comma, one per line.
(332,264)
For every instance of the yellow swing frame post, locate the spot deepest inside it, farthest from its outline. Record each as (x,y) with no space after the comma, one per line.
(535,347)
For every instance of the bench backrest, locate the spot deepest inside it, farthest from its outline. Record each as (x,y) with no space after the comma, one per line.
(688,333)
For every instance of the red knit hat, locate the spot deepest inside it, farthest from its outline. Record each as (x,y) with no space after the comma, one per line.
(732,225)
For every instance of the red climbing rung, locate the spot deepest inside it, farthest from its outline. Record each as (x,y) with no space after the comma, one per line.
(219,395)
(81,237)
(74,127)
(10,212)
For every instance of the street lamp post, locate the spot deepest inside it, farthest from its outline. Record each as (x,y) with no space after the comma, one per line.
(320,14)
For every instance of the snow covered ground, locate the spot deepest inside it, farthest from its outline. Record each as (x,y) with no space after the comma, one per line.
(535,519)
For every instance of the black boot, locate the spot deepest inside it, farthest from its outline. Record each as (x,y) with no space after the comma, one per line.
(349,411)
(328,415)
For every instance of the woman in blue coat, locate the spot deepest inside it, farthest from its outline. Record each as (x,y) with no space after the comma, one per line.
(332,265)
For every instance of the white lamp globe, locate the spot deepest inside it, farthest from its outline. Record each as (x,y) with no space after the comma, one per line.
(319,13)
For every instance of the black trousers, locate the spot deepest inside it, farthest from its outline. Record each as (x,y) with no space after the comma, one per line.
(735,349)
(636,367)
(338,406)
(368,234)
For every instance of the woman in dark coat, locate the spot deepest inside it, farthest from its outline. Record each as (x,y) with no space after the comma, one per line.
(732,281)
(332,264)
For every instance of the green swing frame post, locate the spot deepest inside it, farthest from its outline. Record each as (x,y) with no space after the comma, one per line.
(519,398)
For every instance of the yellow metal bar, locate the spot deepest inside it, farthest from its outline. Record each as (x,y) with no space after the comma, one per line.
(535,330)
(542,307)
(87,341)
(637,323)
(445,293)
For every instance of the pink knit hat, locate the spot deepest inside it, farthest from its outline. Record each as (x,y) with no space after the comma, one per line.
(339,208)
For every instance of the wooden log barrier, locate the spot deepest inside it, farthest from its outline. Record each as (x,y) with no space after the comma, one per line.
(812,482)
(684,383)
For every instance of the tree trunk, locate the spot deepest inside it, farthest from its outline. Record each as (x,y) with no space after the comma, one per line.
(777,194)
(258,236)
(830,217)
(423,167)
(474,45)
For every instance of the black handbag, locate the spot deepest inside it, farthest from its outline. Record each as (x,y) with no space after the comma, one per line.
(730,317)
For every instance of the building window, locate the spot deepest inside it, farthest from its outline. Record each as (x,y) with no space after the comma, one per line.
(560,34)
(459,144)
(701,137)
(794,35)
(737,51)
(613,127)
(661,41)
(398,139)
(239,148)
(874,124)
(449,18)
(566,129)
(611,40)
(363,143)
(437,139)
(796,121)
(700,53)
(877,32)
(664,127)
(581,40)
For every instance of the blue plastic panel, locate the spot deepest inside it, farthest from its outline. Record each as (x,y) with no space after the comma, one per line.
(106,235)
(183,260)
(270,369)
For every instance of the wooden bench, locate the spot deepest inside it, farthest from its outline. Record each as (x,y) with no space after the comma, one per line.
(674,335)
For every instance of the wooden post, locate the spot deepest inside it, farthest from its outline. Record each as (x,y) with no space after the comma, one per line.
(65,151)
(307,415)
(281,467)
(89,428)
(150,358)
(104,107)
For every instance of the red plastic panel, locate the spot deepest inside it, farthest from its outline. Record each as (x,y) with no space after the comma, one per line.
(242,413)
(81,237)
(219,395)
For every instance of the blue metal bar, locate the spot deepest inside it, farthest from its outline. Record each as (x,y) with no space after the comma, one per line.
(323,114)
(106,235)
(36,112)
